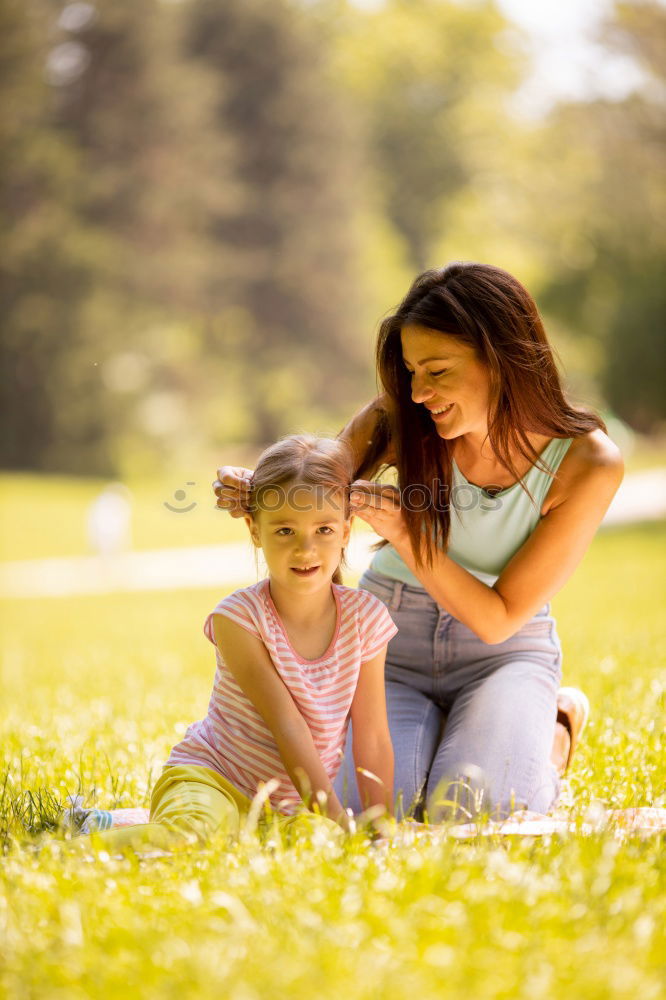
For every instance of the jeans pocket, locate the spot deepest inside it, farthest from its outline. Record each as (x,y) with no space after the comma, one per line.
(538,627)
(382,591)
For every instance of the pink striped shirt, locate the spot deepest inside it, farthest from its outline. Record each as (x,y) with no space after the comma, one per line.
(234,740)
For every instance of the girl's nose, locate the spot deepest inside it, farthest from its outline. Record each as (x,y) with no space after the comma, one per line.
(305,543)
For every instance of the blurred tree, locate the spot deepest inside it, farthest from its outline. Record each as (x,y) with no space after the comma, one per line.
(105,193)
(206,205)
(177,185)
(433,80)
(44,273)
(291,314)
(608,250)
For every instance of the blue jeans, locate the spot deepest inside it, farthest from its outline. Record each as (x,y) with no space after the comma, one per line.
(472,725)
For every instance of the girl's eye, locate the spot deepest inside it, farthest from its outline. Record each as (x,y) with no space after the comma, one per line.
(283,531)
(326,529)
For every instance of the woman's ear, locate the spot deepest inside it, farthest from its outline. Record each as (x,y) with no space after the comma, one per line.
(254,531)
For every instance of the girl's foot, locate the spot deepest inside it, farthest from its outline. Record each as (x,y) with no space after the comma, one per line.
(573,709)
(77,819)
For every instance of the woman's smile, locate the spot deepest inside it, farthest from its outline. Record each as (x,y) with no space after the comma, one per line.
(440,413)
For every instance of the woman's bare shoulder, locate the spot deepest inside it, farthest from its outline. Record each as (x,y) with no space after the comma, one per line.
(593,460)
(594,452)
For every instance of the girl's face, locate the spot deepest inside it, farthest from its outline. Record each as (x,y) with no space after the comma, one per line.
(448,379)
(302,531)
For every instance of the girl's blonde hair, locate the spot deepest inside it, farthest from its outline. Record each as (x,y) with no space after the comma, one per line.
(324,463)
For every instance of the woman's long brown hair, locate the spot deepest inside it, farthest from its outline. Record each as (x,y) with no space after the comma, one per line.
(488,309)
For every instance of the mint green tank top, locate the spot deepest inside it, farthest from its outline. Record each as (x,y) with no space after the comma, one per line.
(486,531)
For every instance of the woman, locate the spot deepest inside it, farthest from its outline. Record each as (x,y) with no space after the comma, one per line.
(502,484)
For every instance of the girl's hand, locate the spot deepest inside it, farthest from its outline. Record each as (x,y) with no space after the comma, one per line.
(232,489)
(378,504)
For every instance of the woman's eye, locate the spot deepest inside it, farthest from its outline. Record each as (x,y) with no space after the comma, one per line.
(442,371)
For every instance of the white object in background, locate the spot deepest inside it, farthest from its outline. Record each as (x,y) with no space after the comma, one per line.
(109,521)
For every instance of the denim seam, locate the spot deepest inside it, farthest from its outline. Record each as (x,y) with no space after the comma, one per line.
(396,597)
(418,750)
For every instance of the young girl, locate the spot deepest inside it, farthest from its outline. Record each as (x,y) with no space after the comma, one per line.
(298,656)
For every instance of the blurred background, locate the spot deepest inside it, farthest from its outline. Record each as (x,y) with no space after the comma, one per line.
(208,205)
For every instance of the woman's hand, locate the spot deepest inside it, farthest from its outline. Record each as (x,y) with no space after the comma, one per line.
(378,504)
(232,489)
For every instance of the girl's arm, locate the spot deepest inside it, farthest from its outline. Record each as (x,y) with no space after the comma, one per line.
(371,739)
(541,566)
(253,670)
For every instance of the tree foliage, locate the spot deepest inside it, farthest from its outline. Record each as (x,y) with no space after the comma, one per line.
(206,206)
(610,284)
(292,282)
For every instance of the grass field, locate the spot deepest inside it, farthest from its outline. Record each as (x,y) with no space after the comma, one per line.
(45,516)
(94,691)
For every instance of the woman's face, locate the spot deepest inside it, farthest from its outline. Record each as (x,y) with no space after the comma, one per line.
(448,379)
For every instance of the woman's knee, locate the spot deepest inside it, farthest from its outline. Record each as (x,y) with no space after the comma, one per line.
(468,790)
(458,796)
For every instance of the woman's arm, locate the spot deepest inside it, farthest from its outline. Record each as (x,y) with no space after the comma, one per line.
(541,566)
(367,433)
(253,670)
(371,739)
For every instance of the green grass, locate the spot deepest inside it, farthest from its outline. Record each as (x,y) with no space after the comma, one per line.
(95,690)
(45,516)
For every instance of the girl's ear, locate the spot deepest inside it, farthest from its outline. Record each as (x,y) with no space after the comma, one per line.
(346,531)
(252,528)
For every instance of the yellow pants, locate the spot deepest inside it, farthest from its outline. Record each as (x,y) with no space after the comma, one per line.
(188,805)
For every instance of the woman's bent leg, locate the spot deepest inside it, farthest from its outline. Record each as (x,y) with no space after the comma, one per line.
(415,723)
(495,753)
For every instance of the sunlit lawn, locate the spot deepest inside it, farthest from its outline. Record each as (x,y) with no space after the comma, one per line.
(95,690)
(45,516)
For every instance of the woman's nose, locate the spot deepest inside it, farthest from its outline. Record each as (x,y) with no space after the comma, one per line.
(420,389)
